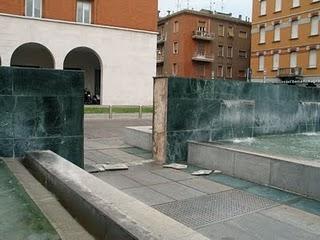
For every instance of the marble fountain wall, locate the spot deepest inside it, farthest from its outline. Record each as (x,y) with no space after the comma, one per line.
(207,110)
(41,109)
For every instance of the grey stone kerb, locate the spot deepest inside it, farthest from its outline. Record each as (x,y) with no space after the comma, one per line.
(106,212)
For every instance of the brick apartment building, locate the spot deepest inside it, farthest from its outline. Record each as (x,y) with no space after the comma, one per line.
(285,40)
(113,41)
(203,44)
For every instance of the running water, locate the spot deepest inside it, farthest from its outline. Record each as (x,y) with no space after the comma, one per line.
(239,117)
(309,113)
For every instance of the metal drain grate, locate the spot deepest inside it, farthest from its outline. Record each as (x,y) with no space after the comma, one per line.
(201,211)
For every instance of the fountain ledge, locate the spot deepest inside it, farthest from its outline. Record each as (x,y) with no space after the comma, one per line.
(106,212)
(293,175)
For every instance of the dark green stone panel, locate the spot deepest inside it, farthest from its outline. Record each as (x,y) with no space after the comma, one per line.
(5,81)
(6,147)
(6,116)
(70,148)
(201,106)
(45,112)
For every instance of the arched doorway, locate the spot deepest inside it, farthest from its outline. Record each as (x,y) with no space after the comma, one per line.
(86,59)
(32,55)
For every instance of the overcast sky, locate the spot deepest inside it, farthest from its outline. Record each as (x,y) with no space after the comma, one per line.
(236,7)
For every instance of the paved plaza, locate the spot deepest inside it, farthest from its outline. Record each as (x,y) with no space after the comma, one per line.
(217,206)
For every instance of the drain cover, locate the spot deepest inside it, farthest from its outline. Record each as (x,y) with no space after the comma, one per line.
(204,210)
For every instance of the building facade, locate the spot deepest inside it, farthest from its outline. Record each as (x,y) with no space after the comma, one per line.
(285,40)
(113,41)
(203,44)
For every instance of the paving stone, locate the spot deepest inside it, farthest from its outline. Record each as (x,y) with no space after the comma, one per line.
(204,185)
(145,178)
(266,228)
(148,196)
(225,231)
(308,205)
(231,181)
(298,218)
(177,191)
(172,174)
(272,193)
(118,181)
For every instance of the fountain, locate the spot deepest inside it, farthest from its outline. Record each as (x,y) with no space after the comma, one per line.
(309,115)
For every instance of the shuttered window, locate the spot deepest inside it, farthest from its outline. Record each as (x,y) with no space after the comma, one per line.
(276,61)
(278,5)
(263,7)
(261,63)
(313,58)
(277,33)
(293,60)
(262,35)
(294,29)
(315,25)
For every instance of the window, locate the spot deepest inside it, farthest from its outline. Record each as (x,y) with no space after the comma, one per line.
(275,61)
(201,68)
(277,32)
(293,60)
(220,71)
(262,35)
(230,52)
(229,72)
(278,6)
(314,25)
(176,27)
(261,63)
(220,51)
(242,74)
(243,54)
(221,30)
(295,3)
(175,48)
(294,29)
(313,58)
(263,7)
(84,11)
(243,34)
(230,31)
(33,8)
(174,69)
(202,26)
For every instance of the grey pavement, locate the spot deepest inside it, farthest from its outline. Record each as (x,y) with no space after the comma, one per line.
(210,206)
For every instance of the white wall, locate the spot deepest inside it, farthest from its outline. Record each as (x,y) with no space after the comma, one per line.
(128,56)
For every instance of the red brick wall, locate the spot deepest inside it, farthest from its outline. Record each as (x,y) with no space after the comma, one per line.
(136,14)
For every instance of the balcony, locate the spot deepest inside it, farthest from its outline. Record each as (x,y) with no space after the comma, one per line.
(161,39)
(160,58)
(201,56)
(203,35)
(289,73)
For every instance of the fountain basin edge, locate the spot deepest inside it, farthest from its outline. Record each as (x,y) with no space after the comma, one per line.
(297,176)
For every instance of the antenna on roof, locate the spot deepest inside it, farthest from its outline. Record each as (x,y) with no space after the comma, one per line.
(212,5)
(222,5)
(178,5)
(188,4)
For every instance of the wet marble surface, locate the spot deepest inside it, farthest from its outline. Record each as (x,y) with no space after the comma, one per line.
(41,110)
(213,110)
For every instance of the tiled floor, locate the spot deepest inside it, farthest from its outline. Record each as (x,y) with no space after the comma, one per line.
(289,217)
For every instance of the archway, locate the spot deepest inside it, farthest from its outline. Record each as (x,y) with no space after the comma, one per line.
(86,59)
(32,55)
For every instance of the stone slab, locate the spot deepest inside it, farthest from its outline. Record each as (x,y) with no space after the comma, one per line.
(299,219)
(104,210)
(148,196)
(206,186)
(260,226)
(176,191)
(140,137)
